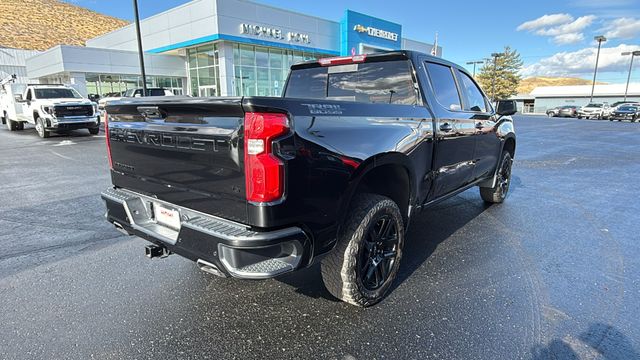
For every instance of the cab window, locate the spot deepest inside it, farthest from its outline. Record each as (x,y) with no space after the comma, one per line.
(444,86)
(475,100)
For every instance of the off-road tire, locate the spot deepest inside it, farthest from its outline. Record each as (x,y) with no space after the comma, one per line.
(94,131)
(19,126)
(339,268)
(498,193)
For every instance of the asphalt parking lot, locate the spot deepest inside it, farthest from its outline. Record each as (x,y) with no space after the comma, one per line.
(553,273)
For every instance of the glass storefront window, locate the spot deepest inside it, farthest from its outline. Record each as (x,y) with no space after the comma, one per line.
(203,72)
(263,71)
(262,56)
(114,84)
(247,55)
(206,56)
(275,58)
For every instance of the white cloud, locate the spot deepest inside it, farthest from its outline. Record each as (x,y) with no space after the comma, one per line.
(568,38)
(575,26)
(562,28)
(622,28)
(581,62)
(545,21)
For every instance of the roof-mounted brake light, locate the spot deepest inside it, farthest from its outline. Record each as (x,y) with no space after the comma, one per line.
(342,60)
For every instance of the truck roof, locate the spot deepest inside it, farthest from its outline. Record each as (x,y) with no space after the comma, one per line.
(47,85)
(385,56)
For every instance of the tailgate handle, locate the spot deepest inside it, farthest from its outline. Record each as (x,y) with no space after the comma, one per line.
(151,112)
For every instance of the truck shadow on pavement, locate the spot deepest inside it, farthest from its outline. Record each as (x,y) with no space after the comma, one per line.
(427,230)
(600,340)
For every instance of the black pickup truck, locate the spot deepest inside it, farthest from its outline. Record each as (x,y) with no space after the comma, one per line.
(331,172)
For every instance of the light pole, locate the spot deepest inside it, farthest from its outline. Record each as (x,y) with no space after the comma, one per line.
(633,54)
(600,39)
(495,57)
(474,65)
(140,53)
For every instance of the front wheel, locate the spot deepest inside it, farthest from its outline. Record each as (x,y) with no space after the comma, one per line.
(42,132)
(94,131)
(365,262)
(498,193)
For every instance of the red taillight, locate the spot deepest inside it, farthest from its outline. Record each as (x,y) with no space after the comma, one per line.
(106,133)
(264,172)
(342,60)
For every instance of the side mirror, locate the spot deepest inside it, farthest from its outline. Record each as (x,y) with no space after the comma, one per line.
(18,98)
(506,107)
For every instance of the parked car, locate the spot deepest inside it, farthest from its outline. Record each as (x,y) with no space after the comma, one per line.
(568,111)
(51,108)
(609,114)
(626,112)
(553,112)
(593,111)
(331,172)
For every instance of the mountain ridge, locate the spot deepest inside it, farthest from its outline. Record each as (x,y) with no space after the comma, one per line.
(528,84)
(42,24)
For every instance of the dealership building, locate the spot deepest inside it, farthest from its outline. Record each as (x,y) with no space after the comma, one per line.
(215,48)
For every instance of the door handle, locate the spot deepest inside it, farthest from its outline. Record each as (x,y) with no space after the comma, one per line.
(446,127)
(479,125)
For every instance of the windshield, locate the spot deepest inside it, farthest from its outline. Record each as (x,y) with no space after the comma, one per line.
(568,107)
(595,105)
(628,108)
(57,93)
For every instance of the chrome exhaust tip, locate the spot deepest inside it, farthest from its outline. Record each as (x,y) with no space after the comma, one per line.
(210,268)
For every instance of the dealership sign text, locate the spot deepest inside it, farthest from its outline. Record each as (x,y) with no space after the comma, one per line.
(274,33)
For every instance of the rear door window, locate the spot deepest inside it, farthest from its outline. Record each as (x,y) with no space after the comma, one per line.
(444,86)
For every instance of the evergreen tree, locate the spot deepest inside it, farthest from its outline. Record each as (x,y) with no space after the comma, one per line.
(499,76)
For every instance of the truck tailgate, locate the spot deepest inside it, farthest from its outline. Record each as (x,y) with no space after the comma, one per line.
(184,151)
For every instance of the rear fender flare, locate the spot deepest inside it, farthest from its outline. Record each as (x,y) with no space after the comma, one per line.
(364,168)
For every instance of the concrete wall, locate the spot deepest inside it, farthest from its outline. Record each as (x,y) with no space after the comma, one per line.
(14,61)
(198,21)
(408,44)
(93,60)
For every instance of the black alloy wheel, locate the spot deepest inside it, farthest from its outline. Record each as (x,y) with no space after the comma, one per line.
(504,175)
(498,193)
(378,255)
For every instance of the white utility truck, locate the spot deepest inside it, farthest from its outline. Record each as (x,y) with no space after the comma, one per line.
(51,108)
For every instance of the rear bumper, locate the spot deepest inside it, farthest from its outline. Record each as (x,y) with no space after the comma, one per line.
(233,248)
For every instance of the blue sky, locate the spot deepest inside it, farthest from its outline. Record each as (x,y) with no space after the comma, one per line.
(554,38)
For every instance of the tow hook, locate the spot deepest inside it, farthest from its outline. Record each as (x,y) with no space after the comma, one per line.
(152,251)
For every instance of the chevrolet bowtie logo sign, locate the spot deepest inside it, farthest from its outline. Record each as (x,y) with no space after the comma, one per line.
(360,28)
(371,31)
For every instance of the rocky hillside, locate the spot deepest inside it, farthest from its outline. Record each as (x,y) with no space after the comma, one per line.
(528,84)
(41,24)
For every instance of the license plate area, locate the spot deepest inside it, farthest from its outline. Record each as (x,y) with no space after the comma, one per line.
(166,216)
